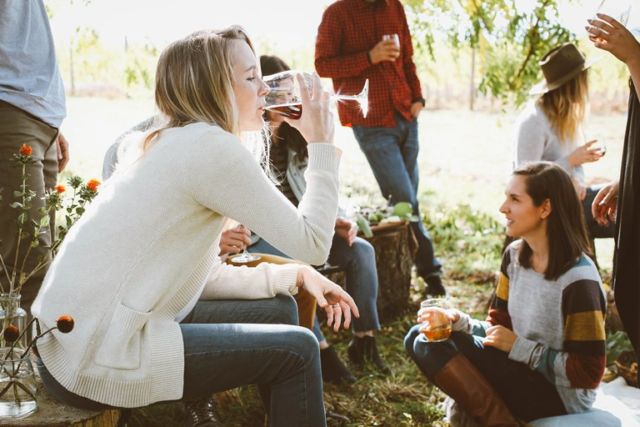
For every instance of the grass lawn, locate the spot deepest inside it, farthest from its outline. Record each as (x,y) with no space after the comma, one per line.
(465,159)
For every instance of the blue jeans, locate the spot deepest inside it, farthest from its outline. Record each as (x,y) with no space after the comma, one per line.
(527,393)
(392,154)
(359,263)
(225,347)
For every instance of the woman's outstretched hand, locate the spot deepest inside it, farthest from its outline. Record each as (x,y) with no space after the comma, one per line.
(316,123)
(335,301)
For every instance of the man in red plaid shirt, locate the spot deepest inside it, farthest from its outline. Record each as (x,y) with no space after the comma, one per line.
(350,49)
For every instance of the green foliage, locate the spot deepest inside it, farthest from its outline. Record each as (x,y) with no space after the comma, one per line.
(468,240)
(510,40)
(139,68)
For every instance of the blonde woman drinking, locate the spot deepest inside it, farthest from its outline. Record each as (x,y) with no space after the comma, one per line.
(140,272)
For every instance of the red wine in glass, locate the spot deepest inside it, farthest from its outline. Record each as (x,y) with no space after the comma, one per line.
(293,110)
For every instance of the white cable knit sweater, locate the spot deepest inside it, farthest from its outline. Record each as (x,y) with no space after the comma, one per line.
(146,245)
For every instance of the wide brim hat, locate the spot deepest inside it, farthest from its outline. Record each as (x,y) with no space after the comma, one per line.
(560,65)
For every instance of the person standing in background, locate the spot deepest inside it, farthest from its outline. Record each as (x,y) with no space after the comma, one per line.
(370,39)
(32,107)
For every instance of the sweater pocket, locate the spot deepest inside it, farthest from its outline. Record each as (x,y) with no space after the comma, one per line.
(120,348)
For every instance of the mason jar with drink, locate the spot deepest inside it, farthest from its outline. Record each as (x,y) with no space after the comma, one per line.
(435,320)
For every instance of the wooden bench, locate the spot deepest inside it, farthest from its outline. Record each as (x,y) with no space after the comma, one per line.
(51,413)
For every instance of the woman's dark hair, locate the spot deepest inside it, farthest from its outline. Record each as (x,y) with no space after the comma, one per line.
(286,133)
(566,230)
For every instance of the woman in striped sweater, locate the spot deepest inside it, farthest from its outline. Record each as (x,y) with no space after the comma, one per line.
(541,351)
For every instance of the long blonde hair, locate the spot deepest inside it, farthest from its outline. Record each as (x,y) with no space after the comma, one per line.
(566,106)
(194,81)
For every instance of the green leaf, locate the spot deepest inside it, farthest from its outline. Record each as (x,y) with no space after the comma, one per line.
(44,221)
(402,209)
(363,225)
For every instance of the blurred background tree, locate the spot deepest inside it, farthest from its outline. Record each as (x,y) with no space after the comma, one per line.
(507,38)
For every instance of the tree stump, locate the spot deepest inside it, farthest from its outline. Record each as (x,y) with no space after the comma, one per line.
(395,247)
(51,413)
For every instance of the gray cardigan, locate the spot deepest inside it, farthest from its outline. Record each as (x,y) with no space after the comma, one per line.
(536,140)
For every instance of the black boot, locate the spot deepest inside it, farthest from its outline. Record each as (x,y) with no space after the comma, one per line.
(200,413)
(434,285)
(364,349)
(333,370)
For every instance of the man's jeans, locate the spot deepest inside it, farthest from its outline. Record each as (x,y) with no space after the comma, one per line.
(359,263)
(225,347)
(392,154)
(527,393)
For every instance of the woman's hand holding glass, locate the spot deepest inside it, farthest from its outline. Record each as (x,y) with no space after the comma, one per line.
(335,301)
(437,319)
(291,93)
(299,97)
(609,34)
(235,240)
(586,153)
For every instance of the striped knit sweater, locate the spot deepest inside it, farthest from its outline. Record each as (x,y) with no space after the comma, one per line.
(559,325)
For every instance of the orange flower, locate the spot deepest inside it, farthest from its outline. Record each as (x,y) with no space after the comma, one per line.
(60,188)
(26,150)
(93,184)
(11,333)
(65,323)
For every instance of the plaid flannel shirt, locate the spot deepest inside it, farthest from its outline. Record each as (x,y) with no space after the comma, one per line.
(348,31)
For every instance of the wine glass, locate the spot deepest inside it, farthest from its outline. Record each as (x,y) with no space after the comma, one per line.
(284,95)
(244,257)
(617,9)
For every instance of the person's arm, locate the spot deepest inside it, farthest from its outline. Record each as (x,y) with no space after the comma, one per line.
(498,312)
(223,176)
(608,34)
(263,281)
(330,61)
(267,280)
(581,362)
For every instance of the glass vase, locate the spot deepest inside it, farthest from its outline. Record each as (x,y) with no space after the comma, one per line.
(17,379)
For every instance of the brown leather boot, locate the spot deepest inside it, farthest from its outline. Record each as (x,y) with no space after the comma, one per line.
(469,388)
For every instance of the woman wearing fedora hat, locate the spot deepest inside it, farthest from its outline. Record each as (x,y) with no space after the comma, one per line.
(550,128)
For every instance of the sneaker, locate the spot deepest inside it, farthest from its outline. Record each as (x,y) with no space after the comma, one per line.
(365,349)
(434,285)
(200,413)
(333,370)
